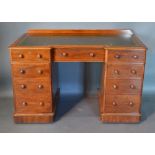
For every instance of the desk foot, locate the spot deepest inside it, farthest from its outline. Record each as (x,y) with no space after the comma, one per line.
(33,118)
(120,118)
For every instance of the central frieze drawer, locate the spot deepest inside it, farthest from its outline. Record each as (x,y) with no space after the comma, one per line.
(71,54)
(123,86)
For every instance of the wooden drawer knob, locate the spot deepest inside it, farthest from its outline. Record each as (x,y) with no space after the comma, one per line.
(40,71)
(41,103)
(22,71)
(133,71)
(21,56)
(115,86)
(131,104)
(91,54)
(132,86)
(64,54)
(23,86)
(135,56)
(39,56)
(116,72)
(114,103)
(117,56)
(24,103)
(40,86)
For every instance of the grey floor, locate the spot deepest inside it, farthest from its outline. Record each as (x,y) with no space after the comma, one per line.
(82,117)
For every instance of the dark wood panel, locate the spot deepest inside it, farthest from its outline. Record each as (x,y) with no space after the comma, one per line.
(120,118)
(33,118)
(81,32)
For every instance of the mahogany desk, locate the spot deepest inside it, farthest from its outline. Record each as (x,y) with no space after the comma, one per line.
(33,71)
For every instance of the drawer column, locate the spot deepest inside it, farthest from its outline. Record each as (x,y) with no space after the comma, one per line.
(32,85)
(121,91)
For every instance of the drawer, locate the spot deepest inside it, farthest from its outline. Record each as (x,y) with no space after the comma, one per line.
(123,86)
(122,104)
(32,87)
(33,104)
(31,70)
(126,56)
(76,54)
(24,55)
(125,71)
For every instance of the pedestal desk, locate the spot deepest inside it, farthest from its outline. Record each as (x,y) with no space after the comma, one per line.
(33,71)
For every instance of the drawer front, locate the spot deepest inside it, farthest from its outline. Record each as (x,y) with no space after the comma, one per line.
(117,56)
(31,70)
(33,104)
(123,86)
(96,55)
(125,71)
(122,104)
(24,55)
(32,87)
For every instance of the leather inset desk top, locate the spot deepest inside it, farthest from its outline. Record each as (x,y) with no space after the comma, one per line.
(77,40)
(107,38)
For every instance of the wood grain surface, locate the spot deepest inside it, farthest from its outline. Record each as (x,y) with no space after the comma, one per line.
(32,59)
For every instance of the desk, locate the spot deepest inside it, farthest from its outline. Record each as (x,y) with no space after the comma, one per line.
(34,71)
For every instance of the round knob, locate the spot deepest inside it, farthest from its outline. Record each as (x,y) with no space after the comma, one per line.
(40,86)
(24,103)
(22,71)
(135,57)
(40,71)
(116,71)
(131,104)
(133,71)
(39,56)
(21,56)
(23,86)
(117,56)
(114,103)
(115,86)
(92,54)
(132,86)
(64,54)
(41,103)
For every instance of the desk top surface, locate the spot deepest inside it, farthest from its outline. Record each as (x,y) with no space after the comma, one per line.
(107,38)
